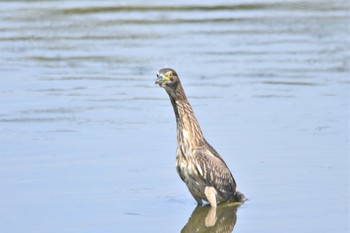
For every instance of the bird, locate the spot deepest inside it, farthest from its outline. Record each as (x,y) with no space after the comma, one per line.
(198,164)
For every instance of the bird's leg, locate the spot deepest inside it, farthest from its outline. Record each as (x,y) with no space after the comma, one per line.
(210,194)
(198,199)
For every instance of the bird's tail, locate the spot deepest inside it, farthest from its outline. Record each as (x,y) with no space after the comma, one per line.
(240,196)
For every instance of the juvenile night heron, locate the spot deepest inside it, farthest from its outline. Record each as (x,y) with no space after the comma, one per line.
(197,163)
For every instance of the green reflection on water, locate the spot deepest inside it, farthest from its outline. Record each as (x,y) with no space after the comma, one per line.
(208,219)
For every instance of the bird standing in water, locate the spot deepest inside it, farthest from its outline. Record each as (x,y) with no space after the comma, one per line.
(198,164)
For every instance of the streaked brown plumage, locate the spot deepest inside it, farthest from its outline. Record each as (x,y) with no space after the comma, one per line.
(197,162)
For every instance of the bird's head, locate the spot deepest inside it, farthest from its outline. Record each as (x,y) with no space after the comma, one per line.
(168,79)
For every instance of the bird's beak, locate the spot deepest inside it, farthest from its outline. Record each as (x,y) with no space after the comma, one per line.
(160,79)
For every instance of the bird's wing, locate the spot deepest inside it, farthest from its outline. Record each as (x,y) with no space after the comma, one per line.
(214,171)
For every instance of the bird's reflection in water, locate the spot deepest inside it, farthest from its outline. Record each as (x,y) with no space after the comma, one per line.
(208,219)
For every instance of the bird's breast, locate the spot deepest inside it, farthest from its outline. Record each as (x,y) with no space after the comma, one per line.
(185,166)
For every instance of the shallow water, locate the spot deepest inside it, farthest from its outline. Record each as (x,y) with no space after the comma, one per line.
(88,141)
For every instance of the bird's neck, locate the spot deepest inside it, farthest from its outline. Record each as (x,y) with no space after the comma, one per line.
(188,129)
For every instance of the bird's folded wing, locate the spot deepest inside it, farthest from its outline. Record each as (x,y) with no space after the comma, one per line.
(214,171)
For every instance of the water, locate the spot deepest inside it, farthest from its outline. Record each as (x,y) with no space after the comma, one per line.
(88,141)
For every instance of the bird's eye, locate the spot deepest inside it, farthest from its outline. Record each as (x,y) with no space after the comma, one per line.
(157,75)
